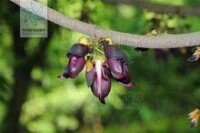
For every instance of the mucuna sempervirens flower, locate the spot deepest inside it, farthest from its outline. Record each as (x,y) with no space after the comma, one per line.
(103,61)
(117,62)
(77,60)
(98,78)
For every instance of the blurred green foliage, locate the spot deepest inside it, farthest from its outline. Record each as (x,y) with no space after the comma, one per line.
(166,90)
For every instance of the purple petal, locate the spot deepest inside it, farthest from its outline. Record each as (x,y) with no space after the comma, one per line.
(102,83)
(127,85)
(98,66)
(78,50)
(90,76)
(115,68)
(126,82)
(104,90)
(105,87)
(94,88)
(75,65)
(114,52)
(106,72)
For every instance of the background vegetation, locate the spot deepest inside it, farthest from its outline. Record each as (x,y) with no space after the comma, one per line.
(33,99)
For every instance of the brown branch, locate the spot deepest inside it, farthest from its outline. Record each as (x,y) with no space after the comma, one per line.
(159,8)
(143,41)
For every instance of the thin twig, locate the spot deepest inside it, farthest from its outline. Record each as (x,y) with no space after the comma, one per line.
(144,41)
(159,8)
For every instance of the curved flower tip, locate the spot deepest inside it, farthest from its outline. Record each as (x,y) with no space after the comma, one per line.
(61,76)
(64,75)
(128,85)
(126,82)
(102,100)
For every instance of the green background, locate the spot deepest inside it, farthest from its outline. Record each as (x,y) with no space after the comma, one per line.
(167,86)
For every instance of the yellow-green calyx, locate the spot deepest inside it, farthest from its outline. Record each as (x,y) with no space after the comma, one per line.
(84,41)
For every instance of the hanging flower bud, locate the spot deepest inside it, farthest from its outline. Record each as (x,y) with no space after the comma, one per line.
(75,66)
(98,78)
(76,57)
(117,62)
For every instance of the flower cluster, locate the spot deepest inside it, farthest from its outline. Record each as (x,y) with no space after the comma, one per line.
(103,61)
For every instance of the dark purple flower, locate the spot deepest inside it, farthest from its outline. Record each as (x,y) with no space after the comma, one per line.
(119,71)
(98,78)
(76,61)
(78,50)
(114,52)
(75,65)
(117,62)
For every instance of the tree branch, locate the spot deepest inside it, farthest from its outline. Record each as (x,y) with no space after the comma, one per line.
(144,41)
(159,8)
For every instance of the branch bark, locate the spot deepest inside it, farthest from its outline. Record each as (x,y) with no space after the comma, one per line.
(143,41)
(159,8)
